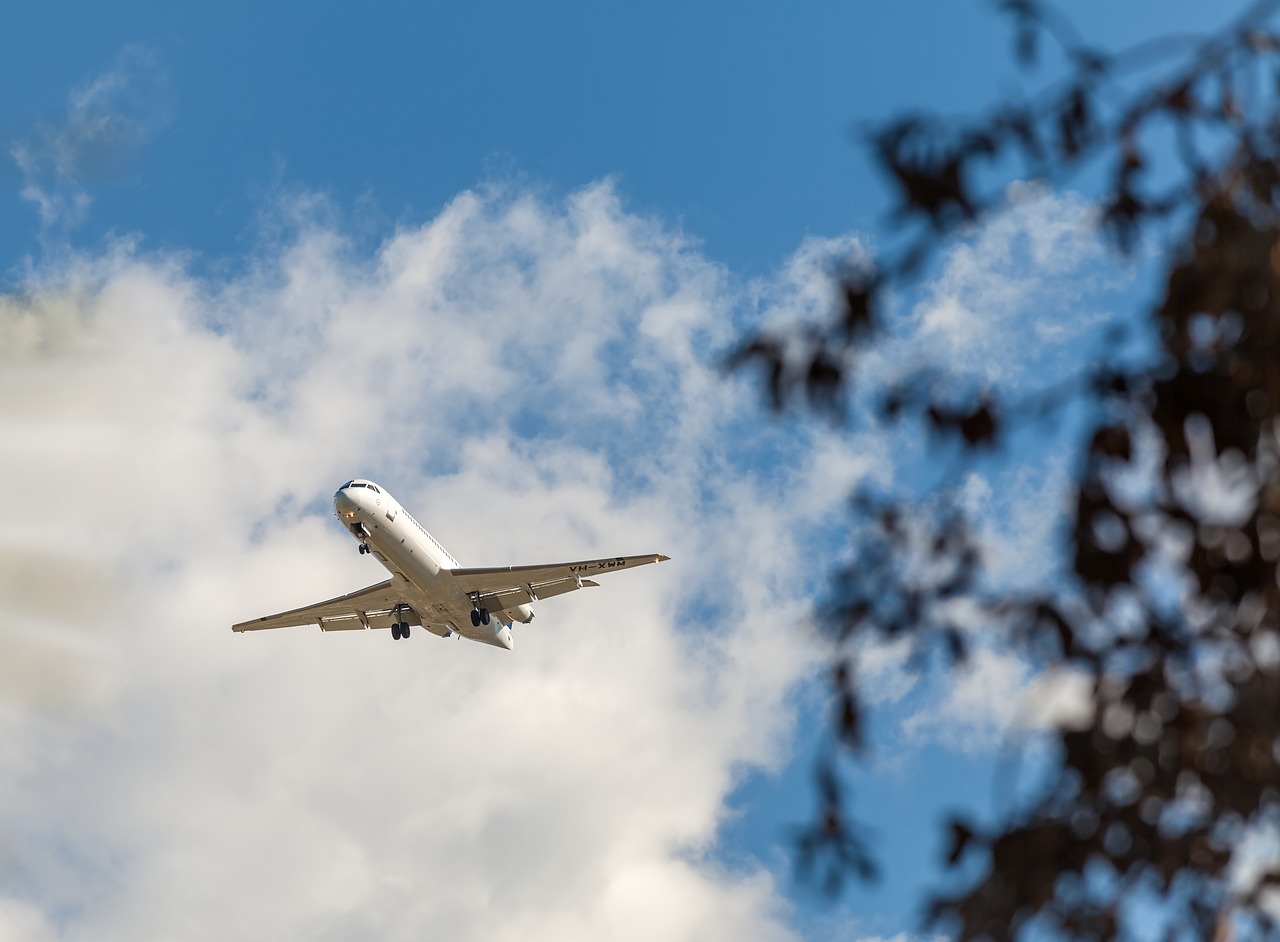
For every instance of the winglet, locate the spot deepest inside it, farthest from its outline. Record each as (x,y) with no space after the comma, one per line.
(661,559)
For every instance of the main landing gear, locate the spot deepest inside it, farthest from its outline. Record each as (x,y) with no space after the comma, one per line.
(479,616)
(399,629)
(364,548)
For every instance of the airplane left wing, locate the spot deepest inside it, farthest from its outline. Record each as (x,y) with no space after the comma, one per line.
(509,586)
(369,608)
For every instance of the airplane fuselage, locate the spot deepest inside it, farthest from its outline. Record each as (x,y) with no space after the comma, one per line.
(409,552)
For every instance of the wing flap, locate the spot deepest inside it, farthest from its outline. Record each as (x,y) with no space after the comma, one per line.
(511,598)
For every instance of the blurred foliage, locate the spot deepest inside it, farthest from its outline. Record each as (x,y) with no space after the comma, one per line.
(1168,603)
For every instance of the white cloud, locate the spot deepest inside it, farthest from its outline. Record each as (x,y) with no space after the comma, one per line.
(995,695)
(1021,512)
(529,379)
(978,706)
(805,290)
(1018,513)
(1017,292)
(108,120)
(1018,306)
(1254,858)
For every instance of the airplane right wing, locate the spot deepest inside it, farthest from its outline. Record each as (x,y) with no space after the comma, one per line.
(369,608)
(506,587)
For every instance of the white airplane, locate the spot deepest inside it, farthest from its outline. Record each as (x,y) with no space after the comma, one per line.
(428,587)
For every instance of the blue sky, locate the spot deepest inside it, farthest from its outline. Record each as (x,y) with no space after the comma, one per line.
(485,254)
(732,120)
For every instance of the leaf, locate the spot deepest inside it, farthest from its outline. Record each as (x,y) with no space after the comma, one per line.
(1112,441)
(824,382)
(1074,122)
(961,836)
(858,296)
(979,426)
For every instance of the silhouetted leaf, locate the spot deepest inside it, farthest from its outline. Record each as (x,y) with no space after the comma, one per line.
(1112,441)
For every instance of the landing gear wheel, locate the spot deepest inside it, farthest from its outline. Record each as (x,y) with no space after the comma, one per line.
(475,618)
(404,629)
(395,631)
(484,616)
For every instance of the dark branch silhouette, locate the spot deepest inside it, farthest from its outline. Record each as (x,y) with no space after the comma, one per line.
(1181,754)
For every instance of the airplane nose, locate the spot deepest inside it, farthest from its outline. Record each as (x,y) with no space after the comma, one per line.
(344,505)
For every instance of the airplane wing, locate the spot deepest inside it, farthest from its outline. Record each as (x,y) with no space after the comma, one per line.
(509,586)
(368,608)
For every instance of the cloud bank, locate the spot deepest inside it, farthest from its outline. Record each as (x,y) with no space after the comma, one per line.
(534,379)
(530,378)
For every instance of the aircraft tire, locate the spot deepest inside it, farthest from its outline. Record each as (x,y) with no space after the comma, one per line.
(475,618)
(484,616)
(395,631)
(404,629)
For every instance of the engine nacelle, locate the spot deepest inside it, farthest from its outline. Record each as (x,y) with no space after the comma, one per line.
(521,613)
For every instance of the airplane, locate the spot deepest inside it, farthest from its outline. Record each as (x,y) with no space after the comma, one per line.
(428,587)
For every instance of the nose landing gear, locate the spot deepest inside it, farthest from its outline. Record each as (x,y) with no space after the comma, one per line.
(362,534)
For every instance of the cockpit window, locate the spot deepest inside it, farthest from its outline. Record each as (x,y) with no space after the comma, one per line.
(358,484)
(347,485)
(372,488)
